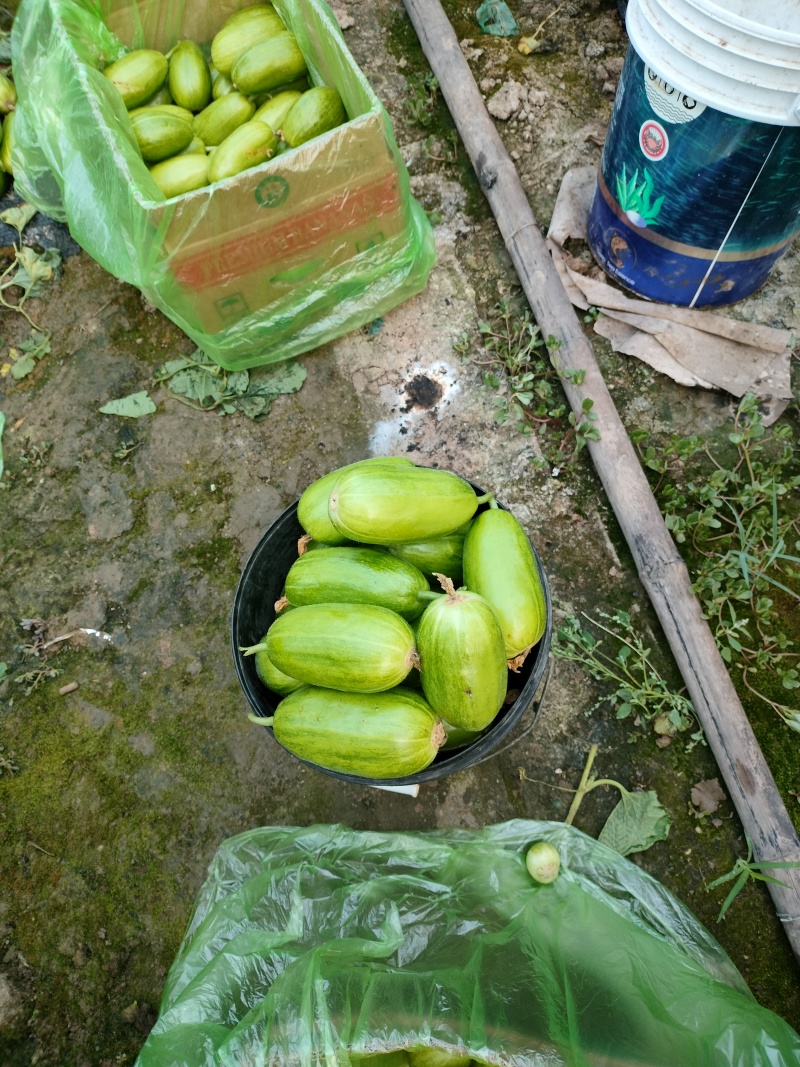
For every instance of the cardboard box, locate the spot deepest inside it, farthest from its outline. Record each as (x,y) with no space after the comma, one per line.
(281,249)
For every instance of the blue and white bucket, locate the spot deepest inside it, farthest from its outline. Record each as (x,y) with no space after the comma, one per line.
(698,190)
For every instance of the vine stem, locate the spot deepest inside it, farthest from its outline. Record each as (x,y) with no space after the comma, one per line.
(583,787)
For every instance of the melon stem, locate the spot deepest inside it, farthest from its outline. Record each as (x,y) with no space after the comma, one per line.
(251,651)
(267,721)
(439,735)
(488,498)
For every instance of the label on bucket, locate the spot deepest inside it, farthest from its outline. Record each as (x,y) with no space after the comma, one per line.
(693,206)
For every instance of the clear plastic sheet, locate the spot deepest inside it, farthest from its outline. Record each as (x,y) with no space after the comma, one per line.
(275,262)
(311,946)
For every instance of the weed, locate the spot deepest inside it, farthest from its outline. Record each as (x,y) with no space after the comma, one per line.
(736,513)
(638,689)
(420,104)
(636,823)
(25,275)
(32,458)
(33,679)
(745,869)
(441,150)
(515,363)
(7,763)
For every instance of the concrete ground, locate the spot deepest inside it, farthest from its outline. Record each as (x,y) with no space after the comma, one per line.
(115,796)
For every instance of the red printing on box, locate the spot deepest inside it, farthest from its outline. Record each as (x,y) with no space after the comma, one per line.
(300,233)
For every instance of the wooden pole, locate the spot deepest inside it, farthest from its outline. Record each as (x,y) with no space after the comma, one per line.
(661,569)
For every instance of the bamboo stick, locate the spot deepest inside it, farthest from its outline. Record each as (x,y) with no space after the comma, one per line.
(661,569)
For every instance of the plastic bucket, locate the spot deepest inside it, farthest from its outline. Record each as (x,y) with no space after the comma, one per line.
(698,190)
(261,584)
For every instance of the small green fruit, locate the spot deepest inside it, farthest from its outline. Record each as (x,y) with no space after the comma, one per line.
(181,174)
(317,111)
(7,143)
(241,31)
(250,145)
(222,117)
(194,148)
(267,65)
(275,110)
(8,95)
(160,135)
(222,86)
(189,76)
(543,862)
(138,75)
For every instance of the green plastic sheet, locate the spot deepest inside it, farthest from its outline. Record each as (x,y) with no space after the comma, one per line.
(319,945)
(494,17)
(247,297)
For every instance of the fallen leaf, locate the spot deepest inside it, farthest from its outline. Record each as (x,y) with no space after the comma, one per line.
(19,216)
(23,365)
(707,796)
(636,823)
(35,268)
(130,407)
(205,384)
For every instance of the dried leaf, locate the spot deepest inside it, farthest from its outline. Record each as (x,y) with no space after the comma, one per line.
(707,796)
(18,216)
(33,269)
(131,407)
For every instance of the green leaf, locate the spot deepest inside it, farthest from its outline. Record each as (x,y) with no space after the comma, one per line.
(2,425)
(3,666)
(636,823)
(237,382)
(19,216)
(196,383)
(204,383)
(22,365)
(254,407)
(131,407)
(737,888)
(38,343)
(286,377)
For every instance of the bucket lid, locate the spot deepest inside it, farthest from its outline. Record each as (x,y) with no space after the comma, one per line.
(750,77)
(778,21)
(763,47)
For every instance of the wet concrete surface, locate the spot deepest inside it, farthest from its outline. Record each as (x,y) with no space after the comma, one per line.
(115,796)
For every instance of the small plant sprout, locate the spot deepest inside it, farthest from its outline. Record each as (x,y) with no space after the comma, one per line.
(636,823)
(745,869)
(734,511)
(636,689)
(543,862)
(515,364)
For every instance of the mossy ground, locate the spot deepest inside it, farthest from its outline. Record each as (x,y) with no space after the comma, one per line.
(125,787)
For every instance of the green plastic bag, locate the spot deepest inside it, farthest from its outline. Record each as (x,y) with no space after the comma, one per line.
(316,242)
(320,945)
(494,17)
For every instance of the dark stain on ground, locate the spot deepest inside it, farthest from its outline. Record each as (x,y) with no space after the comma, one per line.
(422,392)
